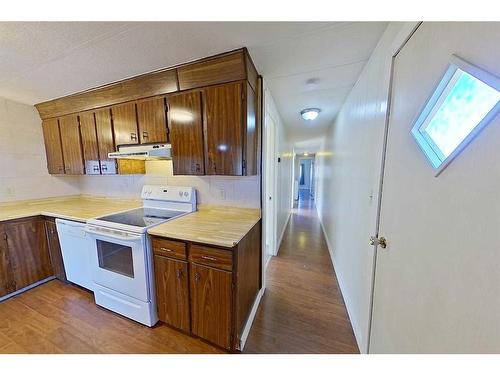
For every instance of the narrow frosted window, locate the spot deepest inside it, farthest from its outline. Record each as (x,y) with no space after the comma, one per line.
(459,107)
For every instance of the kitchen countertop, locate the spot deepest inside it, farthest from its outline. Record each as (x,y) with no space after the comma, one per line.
(213,225)
(78,208)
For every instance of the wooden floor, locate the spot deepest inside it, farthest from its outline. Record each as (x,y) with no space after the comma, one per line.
(302,310)
(60,318)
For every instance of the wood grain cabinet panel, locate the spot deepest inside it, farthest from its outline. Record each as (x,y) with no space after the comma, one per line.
(226,68)
(71,145)
(105,140)
(224,129)
(28,251)
(53,149)
(211,256)
(7,282)
(172,292)
(186,133)
(125,124)
(152,120)
(89,143)
(55,249)
(211,302)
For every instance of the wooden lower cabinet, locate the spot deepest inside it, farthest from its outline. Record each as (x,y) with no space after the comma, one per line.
(7,283)
(214,299)
(172,291)
(28,251)
(211,304)
(55,249)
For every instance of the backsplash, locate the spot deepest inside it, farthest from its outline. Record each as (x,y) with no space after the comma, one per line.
(217,190)
(23,167)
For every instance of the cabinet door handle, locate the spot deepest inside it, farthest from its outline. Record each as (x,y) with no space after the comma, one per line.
(165,249)
(179,274)
(145,135)
(133,137)
(208,258)
(197,277)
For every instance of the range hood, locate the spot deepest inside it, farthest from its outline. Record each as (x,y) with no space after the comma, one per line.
(157,151)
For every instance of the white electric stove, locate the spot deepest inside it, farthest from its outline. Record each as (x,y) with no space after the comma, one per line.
(121,256)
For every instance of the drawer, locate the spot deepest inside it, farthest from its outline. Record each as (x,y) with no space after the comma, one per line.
(211,256)
(169,248)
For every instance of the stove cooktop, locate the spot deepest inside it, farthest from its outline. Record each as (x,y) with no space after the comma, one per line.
(141,217)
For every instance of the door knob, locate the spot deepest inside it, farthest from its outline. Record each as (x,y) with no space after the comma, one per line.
(382,242)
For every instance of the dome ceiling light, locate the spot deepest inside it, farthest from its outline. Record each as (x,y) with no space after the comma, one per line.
(310,114)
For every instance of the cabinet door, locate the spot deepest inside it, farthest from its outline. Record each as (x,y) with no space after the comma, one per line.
(52,138)
(125,124)
(211,304)
(89,143)
(55,250)
(71,145)
(250,162)
(152,120)
(28,251)
(105,141)
(224,129)
(186,133)
(172,293)
(7,283)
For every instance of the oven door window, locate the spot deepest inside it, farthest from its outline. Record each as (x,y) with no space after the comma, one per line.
(115,258)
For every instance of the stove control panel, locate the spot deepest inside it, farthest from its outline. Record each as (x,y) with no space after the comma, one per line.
(169,193)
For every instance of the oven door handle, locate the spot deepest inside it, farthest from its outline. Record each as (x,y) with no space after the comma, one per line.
(116,237)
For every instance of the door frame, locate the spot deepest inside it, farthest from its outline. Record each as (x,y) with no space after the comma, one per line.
(408,30)
(269,182)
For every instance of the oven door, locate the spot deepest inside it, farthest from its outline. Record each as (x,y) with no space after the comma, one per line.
(119,261)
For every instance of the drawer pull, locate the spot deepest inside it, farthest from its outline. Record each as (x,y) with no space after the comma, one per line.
(208,258)
(165,249)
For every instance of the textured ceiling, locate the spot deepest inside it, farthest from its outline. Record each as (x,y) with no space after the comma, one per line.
(42,61)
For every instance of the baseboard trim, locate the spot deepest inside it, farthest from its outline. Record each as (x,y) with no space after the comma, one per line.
(283,232)
(26,288)
(250,319)
(347,301)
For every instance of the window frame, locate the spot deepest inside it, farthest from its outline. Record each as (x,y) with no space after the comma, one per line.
(426,144)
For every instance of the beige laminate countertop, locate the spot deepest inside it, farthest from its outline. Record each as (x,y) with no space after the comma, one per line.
(213,225)
(77,208)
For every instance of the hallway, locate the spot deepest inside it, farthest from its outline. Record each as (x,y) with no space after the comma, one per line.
(302,310)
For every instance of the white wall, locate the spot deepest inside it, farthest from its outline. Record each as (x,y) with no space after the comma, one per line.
(23,166)
(285,167)
(347,181)
(216,190)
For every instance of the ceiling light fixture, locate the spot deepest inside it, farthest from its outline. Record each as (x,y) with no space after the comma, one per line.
(306,154)
(310,113)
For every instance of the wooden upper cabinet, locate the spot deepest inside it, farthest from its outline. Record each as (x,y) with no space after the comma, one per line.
(172,291)
(71,145)
(211,304)
(251,133)
(28,251)
(53,150)
(225,68)
(152,120)
(125,124)
(89,143)
(105,140)
(186,133)
(224,129)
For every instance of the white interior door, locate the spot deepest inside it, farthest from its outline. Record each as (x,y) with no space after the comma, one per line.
(437,284)
(270,214)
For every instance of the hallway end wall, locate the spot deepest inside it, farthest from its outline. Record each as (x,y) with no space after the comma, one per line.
(347,181)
